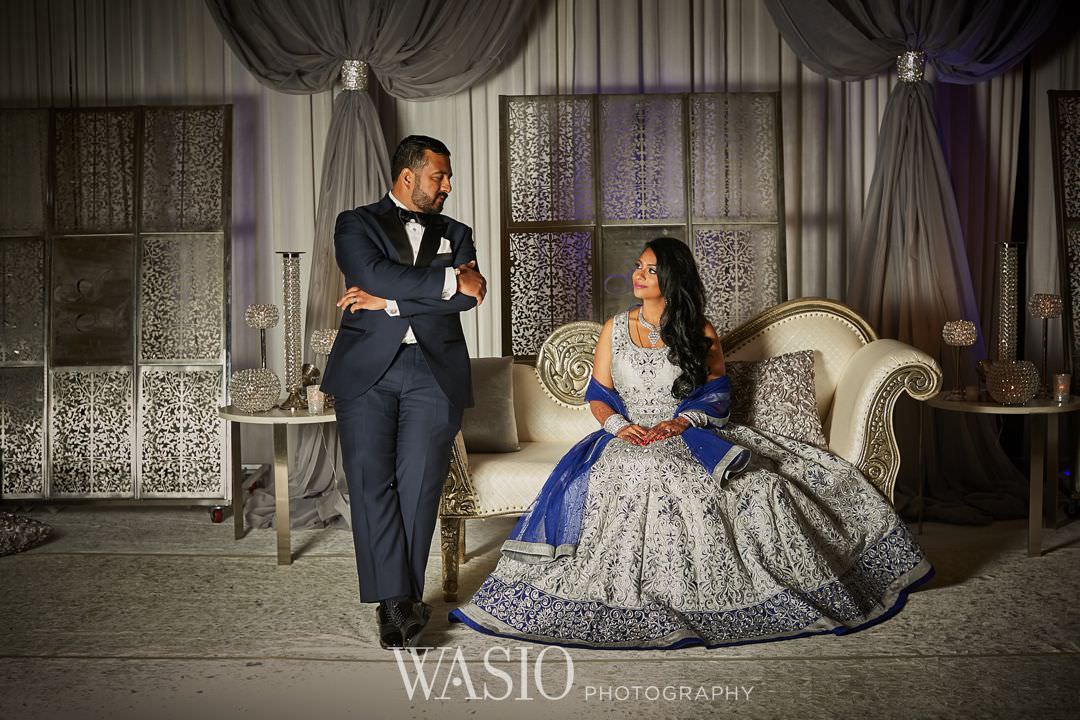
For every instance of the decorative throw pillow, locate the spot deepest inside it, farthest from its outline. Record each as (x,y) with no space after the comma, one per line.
(777,395)
(489,426)
(20,533)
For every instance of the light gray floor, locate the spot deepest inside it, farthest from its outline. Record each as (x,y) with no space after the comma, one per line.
(157,613)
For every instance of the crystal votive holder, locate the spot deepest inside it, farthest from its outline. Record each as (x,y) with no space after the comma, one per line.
(316,400)
(1062,384)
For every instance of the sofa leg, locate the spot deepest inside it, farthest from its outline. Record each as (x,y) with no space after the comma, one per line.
(461,540)
(451,545)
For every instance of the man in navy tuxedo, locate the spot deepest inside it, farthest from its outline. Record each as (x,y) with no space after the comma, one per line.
(399,372)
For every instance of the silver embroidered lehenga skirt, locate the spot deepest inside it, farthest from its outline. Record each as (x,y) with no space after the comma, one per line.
(799,543)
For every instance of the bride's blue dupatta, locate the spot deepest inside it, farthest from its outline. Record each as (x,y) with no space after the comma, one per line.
(550,529)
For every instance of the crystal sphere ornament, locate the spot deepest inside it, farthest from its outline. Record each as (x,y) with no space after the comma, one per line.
(254,390)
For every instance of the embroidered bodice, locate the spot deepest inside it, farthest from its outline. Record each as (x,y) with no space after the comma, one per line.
(642,376)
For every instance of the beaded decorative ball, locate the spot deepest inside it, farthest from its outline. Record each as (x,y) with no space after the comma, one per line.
(261,316)
(959,333)
(254,390)
(1012,382)
(322,341)
(1045,305)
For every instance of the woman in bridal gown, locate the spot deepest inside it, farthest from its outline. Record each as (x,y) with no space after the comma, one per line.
(672,527)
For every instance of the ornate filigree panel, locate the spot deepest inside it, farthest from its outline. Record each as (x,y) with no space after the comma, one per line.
(1072,255)
(95,171)
(739,266)
(1068,129)
(183,169)
(92,304)
(550,284)
(182,297)
(549,156)
(22,437)
(620,249)
(181,437)
(734,159)
(91,432)
(23,146)
(22,300)
(642,158)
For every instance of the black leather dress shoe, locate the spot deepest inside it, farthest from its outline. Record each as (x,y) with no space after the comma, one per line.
(389,632)
(411,617)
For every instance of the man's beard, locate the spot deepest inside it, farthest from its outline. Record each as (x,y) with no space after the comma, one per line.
(427,203)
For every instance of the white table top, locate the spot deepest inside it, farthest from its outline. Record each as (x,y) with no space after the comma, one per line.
(276,416)
(1031,407)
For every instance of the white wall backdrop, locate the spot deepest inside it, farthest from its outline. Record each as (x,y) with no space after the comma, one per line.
(117,52)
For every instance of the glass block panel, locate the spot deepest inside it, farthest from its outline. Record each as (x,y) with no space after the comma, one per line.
(92,300)
(642,171)
(183,169)
(621,247)
(182,297)
(740,268)
(550,285)
(22,300)
(182,439)
(549,148)
(91,432)
(734,164)
(95,171)
(22,437)
(23,163)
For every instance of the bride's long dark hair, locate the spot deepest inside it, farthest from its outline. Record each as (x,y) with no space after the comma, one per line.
(683,321)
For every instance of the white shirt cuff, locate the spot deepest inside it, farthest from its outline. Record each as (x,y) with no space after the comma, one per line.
(449,284)
(392,308)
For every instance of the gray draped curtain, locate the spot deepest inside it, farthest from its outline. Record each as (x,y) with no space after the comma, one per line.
(910,269)
(416,50)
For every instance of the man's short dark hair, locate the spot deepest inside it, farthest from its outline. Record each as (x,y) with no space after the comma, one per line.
(410,153)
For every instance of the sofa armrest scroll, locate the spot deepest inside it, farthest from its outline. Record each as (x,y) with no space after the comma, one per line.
(860,423)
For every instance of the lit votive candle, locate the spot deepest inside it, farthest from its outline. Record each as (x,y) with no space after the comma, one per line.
(1062,382)
(316,400)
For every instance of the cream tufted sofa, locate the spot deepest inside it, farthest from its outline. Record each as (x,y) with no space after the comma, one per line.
(857,376)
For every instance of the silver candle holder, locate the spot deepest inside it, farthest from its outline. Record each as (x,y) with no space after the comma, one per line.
(1045,306)
(290,278)
(322,342)
(958,334)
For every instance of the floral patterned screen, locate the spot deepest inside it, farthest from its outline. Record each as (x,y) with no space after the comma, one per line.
(588,179)
(113,299)
(1065,141)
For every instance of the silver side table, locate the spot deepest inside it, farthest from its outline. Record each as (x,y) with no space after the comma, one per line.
(1041,442)
(280,419)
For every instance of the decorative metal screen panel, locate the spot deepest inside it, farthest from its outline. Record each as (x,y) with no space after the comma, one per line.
(551,170)
(123,278)
(642,157)
(22,431)
(23,162)
(1065,141)
(22,300)
(551,283)
(93,313)
(184,169)
(734,155)
(91,431)
(182,297)
(95,171)
(740,269)
(704,168)
(180,435)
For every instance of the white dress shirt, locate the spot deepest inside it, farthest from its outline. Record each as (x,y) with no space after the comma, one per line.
(415,231)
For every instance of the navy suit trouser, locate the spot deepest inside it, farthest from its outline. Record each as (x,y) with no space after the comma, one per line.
(395,443)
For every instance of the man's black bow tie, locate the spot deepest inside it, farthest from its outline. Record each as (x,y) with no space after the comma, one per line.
(407,215)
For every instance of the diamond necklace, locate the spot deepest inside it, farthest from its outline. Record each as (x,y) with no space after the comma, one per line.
(654,332)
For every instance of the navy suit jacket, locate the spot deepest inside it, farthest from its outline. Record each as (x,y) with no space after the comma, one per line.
(374,253)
